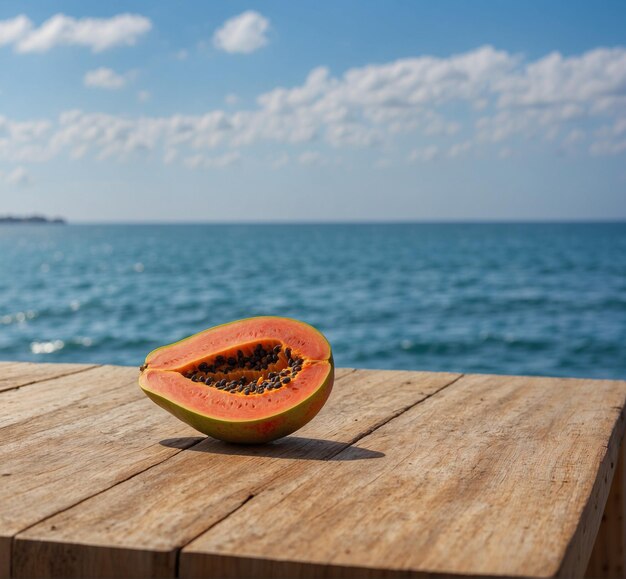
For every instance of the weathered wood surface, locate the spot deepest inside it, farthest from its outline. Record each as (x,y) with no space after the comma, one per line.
(66,439)
(608,558)
(169,505)
(402,474)
(17,374)
(490,477)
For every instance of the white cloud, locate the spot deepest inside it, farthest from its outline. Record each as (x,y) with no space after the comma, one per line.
(143,96)
(170,156)
(425,154)
(280,161)
(98,34)
(195,162)
(609,139)
(619,128)
(405,103)
(459,149)
(104,78)
(18,176)
(182,54)
(243,34)
(480,104)
(232,99)
(13,29)
(310,158)
(602,148)
(574,136)
(556,79)
(203,161)
(438,126)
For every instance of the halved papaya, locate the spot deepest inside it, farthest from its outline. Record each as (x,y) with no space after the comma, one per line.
(249,381)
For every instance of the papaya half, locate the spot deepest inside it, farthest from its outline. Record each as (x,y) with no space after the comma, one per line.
(249,381)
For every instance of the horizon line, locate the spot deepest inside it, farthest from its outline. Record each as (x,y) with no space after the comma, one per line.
(426,221)
(481,221)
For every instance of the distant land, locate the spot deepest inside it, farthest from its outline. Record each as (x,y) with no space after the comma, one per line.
(31,219)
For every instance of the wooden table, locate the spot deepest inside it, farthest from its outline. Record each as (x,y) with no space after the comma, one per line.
(402,474)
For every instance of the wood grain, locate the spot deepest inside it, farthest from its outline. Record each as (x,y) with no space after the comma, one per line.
(17,374)
(160,510)
(63,444)
(495,476)
(609,551)
(402,474)
(51,397)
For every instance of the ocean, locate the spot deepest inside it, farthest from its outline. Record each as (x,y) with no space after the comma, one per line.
(543,299)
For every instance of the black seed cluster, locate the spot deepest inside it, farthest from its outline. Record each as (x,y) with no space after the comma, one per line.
(260,359)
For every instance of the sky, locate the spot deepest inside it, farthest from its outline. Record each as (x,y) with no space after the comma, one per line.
(313,111)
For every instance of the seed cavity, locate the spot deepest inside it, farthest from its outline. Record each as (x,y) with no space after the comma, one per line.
(266,368)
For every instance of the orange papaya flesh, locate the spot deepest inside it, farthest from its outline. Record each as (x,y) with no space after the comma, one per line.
(250,381)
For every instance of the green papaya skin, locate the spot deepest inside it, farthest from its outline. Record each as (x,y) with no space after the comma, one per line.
(251,431)
(165,380)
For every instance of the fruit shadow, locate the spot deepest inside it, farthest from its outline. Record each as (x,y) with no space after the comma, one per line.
(297,447)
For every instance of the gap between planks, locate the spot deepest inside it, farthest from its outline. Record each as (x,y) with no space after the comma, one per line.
(69,413)
(352,442)
(524,397)
(73,505)
(54,514)
(177,546)
(192,443)
(46,378)
(179,549)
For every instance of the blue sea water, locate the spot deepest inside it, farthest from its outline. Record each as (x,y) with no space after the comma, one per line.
(545,299)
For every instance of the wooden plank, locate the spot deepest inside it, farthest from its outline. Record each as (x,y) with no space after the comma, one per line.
(83,434)
(608,558)
(496,476)
(135,528)
(17,374)
(47,398)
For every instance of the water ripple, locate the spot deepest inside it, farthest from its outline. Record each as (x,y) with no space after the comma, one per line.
(527,299)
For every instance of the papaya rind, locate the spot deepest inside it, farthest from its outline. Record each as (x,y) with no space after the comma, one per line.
(257,431)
